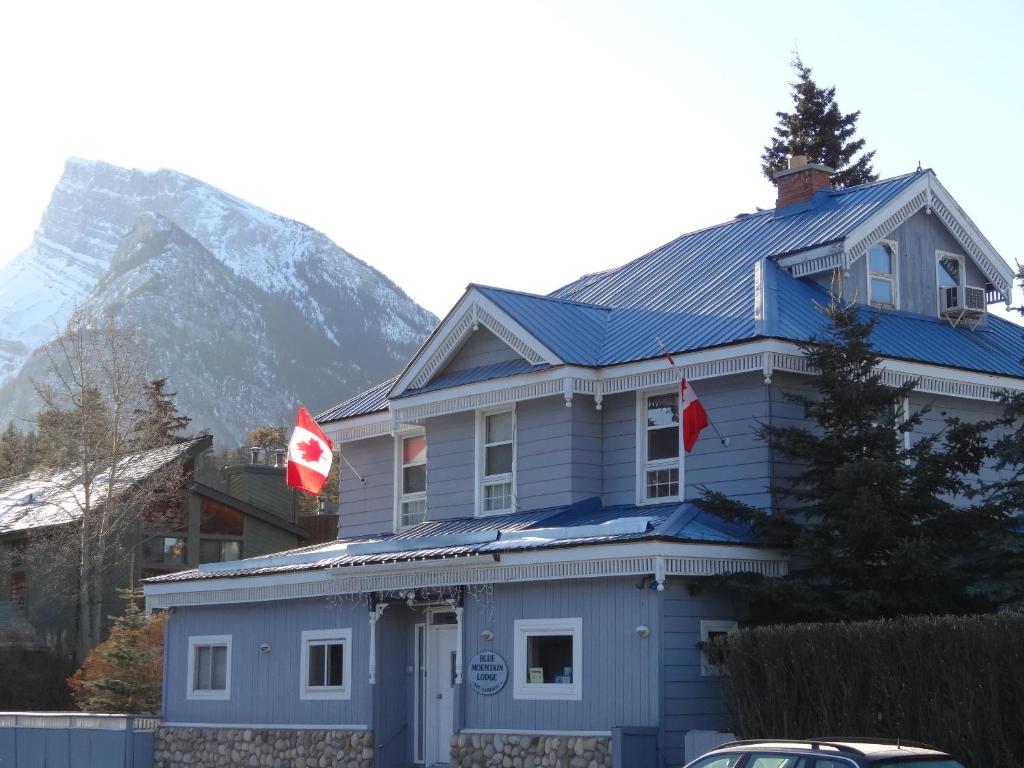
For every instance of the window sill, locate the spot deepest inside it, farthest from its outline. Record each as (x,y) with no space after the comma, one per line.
(209,695)
(548,692)
(333,694)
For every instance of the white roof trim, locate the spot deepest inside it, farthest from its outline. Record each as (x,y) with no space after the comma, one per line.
(925,193)
(472,311)
(594,561)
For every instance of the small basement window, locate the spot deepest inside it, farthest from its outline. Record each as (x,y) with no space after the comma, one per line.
(548,659)
(883,290)
(326,664)
(209,667)
(710,629)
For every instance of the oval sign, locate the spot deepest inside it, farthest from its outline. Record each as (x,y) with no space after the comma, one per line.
(487,673)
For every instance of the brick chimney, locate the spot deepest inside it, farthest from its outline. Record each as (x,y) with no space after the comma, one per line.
(800,181)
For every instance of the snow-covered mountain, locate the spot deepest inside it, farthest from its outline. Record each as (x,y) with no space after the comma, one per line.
(246,312)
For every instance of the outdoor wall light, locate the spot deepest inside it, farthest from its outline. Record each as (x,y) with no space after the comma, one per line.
(264,647)
(643,631)
(487,635)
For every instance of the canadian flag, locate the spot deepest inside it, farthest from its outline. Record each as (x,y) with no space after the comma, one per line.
(309,455)
(695,418)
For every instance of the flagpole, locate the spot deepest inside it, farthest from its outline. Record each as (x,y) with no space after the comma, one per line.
(668,356)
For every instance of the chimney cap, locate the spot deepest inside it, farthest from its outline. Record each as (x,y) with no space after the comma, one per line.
(799,164)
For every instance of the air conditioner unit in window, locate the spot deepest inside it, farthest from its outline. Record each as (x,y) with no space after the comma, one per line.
(962,303)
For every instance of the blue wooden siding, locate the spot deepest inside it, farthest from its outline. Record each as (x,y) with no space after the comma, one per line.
(735,404)
(393,692)
(481,348)
(941,408)
(620,670)
(368,507)
(450,465)
(265,686)
(689,701)
(917,239)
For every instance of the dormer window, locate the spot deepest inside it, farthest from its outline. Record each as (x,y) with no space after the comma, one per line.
(957,300)
(883,289)
(496,432)
(412,480)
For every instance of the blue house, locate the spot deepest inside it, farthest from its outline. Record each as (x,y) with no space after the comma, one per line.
(511,583)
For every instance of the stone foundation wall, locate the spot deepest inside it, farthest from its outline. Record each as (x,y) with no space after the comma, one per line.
(262,748)
(497,750)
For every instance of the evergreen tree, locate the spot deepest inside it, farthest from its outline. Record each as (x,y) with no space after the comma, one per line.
(157,422)
(17,451)
(818,129)
(123,674)
(267,438)
(874,528)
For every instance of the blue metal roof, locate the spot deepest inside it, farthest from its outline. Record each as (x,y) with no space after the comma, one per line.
(553,528)
(372,400)
(480,373)
(698,292)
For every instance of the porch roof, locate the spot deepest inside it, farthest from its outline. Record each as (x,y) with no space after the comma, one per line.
(585,523)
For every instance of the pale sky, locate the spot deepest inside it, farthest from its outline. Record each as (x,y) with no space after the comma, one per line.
(517,144)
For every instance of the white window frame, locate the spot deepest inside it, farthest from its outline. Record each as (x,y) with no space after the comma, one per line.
(893,277)
(707,626)
(199,641)
(481,452)
(526,628)
(320,693)
(642,465)
(939,255)
(400,437)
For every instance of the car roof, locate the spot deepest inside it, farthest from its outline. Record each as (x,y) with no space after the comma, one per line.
(877,750)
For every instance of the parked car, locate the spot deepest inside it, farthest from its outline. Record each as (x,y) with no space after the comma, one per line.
(842,752)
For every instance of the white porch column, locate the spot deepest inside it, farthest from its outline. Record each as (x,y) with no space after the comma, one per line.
(375,615)
(458,645)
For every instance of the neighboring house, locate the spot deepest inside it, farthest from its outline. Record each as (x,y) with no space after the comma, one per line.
(518,540)
(210,526)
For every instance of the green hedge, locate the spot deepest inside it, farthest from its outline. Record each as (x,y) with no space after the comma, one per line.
(953,681)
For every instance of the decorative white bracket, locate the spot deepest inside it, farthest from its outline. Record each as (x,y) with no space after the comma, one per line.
(567,391)
(598,394)
(659,574)
(766,367)
(375,614)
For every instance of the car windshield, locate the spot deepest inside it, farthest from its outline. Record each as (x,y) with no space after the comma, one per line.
(912,763)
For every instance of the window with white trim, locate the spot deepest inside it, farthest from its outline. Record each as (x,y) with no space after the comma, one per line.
(496,433)
(883,284)
(711,628)
(326,671)
(548,659)
(411,480)
(658,446)
(209,667)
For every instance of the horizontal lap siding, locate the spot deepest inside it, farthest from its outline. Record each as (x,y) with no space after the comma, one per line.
(368,507)
(690,701)
(620,669)
(481,348)
(741,470)
(451,465)
(265,686)
(941,408)
(619,449)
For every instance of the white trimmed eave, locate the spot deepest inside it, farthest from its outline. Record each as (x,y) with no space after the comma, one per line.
(762,356)
(471,312)
(925,193)
(655,558)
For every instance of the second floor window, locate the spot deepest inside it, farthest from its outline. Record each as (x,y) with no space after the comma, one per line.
(882,288)
(661,447)
(412,481)
(497,452)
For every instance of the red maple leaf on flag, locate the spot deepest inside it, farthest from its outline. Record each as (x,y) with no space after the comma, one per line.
(312,450)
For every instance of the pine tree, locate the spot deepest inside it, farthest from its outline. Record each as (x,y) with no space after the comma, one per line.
(157,422)
(123,674)
(818,129)
(17,451)
(874,528)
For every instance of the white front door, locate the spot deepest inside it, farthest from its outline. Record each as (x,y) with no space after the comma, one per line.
(440,699)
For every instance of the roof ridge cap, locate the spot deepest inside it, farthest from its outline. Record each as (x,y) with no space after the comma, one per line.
(548,297)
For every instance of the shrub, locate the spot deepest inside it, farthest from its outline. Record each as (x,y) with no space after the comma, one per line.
(953,681)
